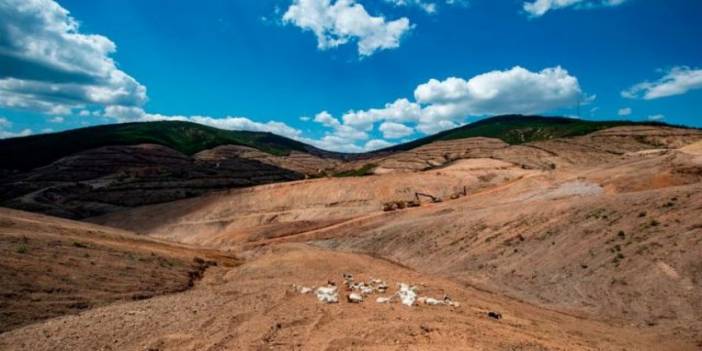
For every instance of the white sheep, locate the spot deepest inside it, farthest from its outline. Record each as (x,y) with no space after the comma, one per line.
(383,299)
(432,301)
(302,289)
(407,294)
(354,298)
(328,294)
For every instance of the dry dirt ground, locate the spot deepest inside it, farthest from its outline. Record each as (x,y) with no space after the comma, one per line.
(589,243)
(589,150)
(52,267)
(273,211)
(252,307)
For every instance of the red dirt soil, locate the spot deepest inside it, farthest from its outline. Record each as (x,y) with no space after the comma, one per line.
(52,267)
(589,243)
(252,307)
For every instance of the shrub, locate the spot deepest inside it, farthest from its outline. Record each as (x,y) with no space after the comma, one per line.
(79,244)
(22,249)
(366,170)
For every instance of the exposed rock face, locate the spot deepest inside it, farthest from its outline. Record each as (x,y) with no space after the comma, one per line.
(111,178)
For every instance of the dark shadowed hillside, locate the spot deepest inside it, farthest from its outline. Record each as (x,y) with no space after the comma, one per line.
(97,170)
(519,129)
(190,138)
(185,137)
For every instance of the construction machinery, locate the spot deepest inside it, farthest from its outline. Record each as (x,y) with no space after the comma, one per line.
(433,198)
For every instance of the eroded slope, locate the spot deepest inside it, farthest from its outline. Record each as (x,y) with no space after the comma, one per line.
(114,178)
(280,210)
(619,242)
(608,234)
(252,307)
(583,151)
(52,267)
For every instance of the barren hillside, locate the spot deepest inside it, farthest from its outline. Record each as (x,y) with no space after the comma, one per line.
(113,178)
(52,267)
(582,243)
(606,233)
(254,307)
(98,170)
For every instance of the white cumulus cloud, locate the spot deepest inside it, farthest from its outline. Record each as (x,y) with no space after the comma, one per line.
(401,110)
(338,22)
(4,134)
(676,81)
(444,104)
(538,8)
(426,6)
(376,144)
(516,90)
(625,111)
(48,65)
(430,7)
(5,124)
(434,127)
(327,119)
(136,114)
(392,130)
(341,137)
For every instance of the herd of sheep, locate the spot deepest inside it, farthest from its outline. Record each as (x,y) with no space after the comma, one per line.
(358,292)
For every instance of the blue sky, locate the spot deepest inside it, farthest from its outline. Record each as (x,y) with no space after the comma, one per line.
(343,74)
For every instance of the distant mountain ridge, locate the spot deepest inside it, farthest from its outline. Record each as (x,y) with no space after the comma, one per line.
(92,171)
(520,129)
(25,153)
